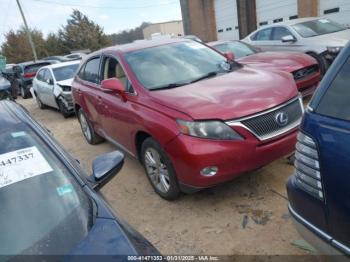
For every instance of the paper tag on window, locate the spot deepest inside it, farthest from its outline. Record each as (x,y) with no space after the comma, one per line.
(324,21)
(195,45)
(22,164)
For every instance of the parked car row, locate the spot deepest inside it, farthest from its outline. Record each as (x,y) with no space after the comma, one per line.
(321,38)
(21,75)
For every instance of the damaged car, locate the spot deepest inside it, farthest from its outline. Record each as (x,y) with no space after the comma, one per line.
(52,87)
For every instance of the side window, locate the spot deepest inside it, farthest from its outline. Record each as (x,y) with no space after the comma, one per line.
(47,76)
(81,72)
(112,68)
(92,71)
(279,32)
(335,102)
(40,75)
(264,35)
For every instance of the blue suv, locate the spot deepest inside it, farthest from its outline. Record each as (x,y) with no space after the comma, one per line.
(319,190)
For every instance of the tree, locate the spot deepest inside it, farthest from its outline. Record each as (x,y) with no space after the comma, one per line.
(55,46)
(82,33)
(17,49)
(128,36)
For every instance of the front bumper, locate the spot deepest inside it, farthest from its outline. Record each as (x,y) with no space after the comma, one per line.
(321,241)
(190,155)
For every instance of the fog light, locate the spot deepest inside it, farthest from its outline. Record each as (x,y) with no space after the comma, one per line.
(209,171)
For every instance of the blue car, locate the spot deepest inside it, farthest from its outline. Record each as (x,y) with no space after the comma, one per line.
(49,206)
(319,190)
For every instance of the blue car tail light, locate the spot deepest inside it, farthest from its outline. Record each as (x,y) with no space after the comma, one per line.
(307,165)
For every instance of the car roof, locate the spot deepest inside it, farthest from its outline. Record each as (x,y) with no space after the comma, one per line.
(34,63)
(292,22)
(214,43)
(58,65)
(142,44)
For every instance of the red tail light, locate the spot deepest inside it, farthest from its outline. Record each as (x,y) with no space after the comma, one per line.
(29,75)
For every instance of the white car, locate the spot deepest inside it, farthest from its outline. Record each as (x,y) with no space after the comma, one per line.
(52,86)
(319,37)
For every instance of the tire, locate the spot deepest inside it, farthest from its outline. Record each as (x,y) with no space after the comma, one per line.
(63,109)
(322,62)
(39,103)
(89,133)
(159,171)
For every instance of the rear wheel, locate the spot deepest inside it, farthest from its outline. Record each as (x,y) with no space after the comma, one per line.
(90,135)
(159,170)
(63,109)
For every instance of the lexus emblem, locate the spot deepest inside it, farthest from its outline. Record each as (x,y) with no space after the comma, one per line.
(281,119)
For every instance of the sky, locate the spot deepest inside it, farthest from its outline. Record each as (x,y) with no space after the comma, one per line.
(113,15)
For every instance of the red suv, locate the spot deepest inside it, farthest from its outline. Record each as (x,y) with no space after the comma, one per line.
(193,118)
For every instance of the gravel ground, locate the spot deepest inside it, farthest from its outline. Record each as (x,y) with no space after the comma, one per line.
(246,216)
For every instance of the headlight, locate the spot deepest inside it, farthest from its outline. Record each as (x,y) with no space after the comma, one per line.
(334,49)
(208,129)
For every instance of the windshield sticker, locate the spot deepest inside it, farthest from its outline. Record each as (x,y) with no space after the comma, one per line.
(324,21)
(18,134)
(66,189)
(22,164)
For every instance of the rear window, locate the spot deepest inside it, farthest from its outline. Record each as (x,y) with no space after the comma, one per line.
(34,68)
(335,102)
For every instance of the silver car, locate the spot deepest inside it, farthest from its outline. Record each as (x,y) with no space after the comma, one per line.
(319,37)
(52,86)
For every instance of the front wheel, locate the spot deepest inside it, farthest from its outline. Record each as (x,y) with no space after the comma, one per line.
(159,170)
(90,135)
(322,62)
(63,109)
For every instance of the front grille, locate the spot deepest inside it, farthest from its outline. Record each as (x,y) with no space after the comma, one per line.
(307,167)
(305,72)
(274,122)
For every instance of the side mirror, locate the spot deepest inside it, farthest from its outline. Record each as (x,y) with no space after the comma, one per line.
(114,85)
(105,167)
(50,82)
(288,39)
(229,56)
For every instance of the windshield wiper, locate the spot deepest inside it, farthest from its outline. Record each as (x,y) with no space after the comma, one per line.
(209,75)
(169,86)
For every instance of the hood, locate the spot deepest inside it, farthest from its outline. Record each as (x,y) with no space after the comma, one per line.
(241,93)
(285,61)
(340,38)
(67,82)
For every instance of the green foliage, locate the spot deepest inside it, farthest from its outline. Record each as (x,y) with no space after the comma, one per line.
(82,33)
(17,48)
(79,33)
(128,36)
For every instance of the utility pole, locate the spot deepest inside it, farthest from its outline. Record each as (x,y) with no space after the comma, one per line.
(28,32)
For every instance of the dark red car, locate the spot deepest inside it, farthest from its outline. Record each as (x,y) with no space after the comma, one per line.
(193,118)
(304,68)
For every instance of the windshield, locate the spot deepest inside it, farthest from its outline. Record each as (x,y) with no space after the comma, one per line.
(178,63)
(65,72)
(237,48)
(318,27)
(43,208)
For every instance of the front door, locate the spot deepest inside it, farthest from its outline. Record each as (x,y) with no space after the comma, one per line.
(117,117)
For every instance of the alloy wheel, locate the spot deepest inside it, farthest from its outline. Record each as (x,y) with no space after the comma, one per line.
(157,170)
(85,127)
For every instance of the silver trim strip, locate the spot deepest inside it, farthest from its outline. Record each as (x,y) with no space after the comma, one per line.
(335,243)
(292,211)
(238,122)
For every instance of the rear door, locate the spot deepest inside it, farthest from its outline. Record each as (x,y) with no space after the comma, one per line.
(38,84)
(333,134)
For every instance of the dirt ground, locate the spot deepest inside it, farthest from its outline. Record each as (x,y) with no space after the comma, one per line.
(246,216)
